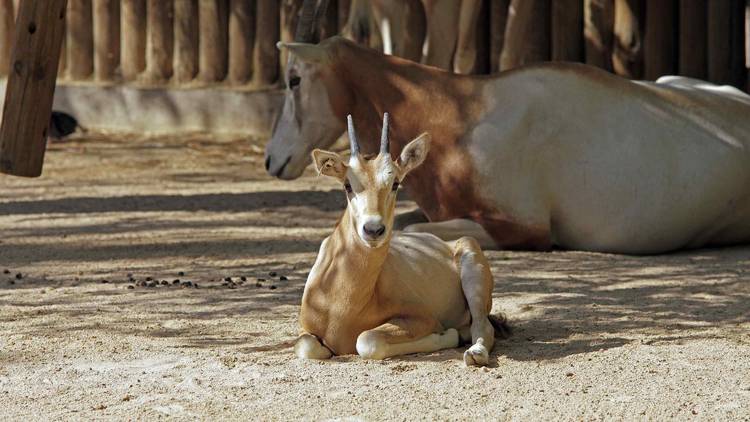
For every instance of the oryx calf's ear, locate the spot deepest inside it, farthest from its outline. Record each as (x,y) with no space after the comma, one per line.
(414,153)
(310,53)
(329,164)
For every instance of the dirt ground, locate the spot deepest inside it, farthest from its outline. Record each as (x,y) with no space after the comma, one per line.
(597,337)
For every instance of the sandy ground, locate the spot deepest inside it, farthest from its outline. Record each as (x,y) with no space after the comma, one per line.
(596,336)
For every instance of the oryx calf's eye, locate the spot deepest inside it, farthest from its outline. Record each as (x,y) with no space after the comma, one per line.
(395,186)
(294,82)
(348,187)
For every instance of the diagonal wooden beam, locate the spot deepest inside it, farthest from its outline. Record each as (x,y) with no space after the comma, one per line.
(31,86)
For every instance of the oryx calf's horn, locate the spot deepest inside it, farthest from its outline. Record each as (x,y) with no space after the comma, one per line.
(354,145)
(384,135)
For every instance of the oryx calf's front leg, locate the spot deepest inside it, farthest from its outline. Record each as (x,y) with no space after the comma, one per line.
(402,336)
(477,285)
(309,347)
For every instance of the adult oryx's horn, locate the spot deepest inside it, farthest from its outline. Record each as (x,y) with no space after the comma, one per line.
(354,145)
(384,135)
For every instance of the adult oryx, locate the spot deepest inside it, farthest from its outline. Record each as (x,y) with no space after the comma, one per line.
(550,155)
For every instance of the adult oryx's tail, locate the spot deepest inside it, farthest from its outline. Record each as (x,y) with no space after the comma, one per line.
(500,324)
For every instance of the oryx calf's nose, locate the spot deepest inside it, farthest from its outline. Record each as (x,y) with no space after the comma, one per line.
(373,230)
(268,162)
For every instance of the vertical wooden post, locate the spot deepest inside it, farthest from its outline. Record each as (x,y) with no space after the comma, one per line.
(442,32)
(185,40)
(213,40)
(498,19)
(627,55)
(599,21)
(738,72)
(265,53)
(80,39)
(327,24)
(343,12)
(133,60)
(660,39)
(7,27)
(106,39)
(160,41)
(241,40)
(467,56)
(567,30)
(290,10)
(31,86)
(693,38)
(527,35)
(747,43)
(720,41)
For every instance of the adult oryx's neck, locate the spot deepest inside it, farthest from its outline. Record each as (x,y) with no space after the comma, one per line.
(420,98)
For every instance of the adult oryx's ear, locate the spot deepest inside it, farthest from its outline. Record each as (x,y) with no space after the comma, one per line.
(329,163)
(414,153)
(311,53)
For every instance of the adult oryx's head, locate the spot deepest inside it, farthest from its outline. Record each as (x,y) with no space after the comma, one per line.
(371,184)
(307,120)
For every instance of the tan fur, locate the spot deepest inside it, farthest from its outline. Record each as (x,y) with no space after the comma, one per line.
(410,292)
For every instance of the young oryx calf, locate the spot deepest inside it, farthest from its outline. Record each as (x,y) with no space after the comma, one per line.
(382,294)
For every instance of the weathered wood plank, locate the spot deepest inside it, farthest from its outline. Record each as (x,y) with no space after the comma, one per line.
(693,38)
(134,28)
(106,39)
(265,53)
(241,40)
(213,40)
(660,39)
(7,28)
(498,19)
(80,39)
(567,30)
(159,42)
(627,55)
(185,40)
(599,21)
(527,34)
(31,86)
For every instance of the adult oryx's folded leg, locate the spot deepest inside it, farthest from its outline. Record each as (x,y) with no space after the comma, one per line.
(402,336)
(456,229)
(477,285)
(309,347)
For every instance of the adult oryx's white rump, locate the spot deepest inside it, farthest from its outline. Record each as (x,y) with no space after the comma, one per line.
(550,155)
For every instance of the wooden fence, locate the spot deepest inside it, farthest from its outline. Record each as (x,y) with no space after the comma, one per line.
(183,43)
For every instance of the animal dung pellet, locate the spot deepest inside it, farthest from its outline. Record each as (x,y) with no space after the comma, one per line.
(195,285)
(105,281)
(186,284)
(259,284)
(6,271)
(11,282)
(181,274)
(149,278)
(164,283)
(261,279)
(227,278)
(151,284)
(243,278)
(272,273)
(130,286)
(19,276)
(283,278)
(176,281)
(272,287)
(130,275)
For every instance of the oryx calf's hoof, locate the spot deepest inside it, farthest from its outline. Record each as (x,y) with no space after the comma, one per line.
(477,354)
(309,347)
